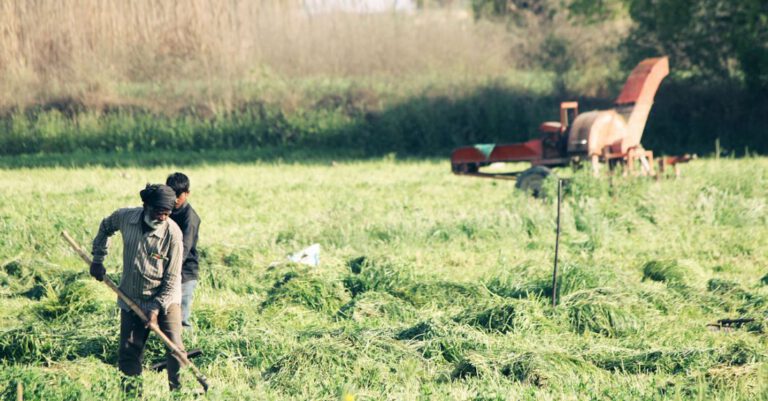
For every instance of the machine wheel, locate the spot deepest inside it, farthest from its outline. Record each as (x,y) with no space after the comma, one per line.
(465,168)
(532,180)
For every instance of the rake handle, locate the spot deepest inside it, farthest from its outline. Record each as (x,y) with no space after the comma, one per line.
(177,352)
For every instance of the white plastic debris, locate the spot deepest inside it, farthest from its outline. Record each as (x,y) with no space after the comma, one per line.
(308,256)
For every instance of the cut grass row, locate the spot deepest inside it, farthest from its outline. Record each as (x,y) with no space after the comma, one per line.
(431,286)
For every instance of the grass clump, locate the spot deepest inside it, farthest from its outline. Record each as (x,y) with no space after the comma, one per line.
(727,378)
(540,369)
(47,342)
(741,353)
(443,293)
(721,286)
(661,299)
(39,384)
(230,269)
(472,365)
(362,358)
(446,339)
(677,361)
(601,311)
(572,278)
(377,305)
(423,330)
(731,296)
(311,292)
(378,275)
(436,328)
(506,317)
(208,318)
(668,271)
(655,360)
(583,185)
(257,347)
(32,278)
(71,300)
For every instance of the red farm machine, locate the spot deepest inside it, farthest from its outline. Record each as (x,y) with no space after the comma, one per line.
(602,136)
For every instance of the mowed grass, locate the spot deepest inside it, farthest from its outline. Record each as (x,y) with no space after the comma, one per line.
(430,285)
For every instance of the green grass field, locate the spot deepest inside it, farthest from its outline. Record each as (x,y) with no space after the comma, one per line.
(430,286)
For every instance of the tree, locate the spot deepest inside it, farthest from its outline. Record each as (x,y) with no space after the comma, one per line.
(710,39)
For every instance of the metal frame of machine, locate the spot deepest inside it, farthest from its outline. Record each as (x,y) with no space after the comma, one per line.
(601,136)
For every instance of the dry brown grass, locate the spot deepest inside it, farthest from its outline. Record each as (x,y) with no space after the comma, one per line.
(119,49)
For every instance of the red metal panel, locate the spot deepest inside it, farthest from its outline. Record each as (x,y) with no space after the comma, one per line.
(526,151)
(518,152)
(467,154)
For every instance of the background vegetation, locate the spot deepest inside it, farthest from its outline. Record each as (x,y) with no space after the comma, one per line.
(430,286)
(198,75)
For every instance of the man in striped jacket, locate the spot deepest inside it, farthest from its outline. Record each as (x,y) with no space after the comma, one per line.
(152,257)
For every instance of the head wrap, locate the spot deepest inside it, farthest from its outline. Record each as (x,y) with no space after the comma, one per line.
(158,196)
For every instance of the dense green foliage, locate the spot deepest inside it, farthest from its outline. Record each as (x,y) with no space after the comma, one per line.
(430,286)
(711,39)
(347,118)
(363,122)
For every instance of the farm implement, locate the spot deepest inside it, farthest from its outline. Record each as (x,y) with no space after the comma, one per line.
(609,137)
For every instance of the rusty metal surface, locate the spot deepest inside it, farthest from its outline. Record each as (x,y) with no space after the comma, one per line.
(616,131)
(644,81)
(593,131)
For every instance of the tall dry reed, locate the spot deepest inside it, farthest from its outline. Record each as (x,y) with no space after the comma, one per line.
(116,50)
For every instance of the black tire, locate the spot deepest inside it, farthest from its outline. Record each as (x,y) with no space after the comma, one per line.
(532,180)
(465,168)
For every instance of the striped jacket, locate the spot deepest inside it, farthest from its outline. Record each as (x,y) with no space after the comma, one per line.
(151,261)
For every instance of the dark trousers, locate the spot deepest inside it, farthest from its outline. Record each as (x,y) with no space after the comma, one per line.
(133,336)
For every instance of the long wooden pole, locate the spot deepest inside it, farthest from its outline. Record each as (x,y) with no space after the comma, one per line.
(177,352)
(557,241)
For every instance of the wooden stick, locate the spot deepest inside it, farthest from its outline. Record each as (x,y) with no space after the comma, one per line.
(557,241)
(175,350)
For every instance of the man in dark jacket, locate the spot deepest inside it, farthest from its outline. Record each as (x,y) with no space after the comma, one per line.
(189,222)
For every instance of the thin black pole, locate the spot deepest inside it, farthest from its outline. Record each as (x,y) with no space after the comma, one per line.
(557,241)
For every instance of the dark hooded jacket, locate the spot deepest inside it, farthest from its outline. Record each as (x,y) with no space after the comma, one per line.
(189,222)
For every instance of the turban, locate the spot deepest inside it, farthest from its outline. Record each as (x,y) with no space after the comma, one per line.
(158,196)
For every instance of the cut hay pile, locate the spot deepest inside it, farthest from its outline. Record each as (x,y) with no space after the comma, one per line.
(509,316)
(602,311)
